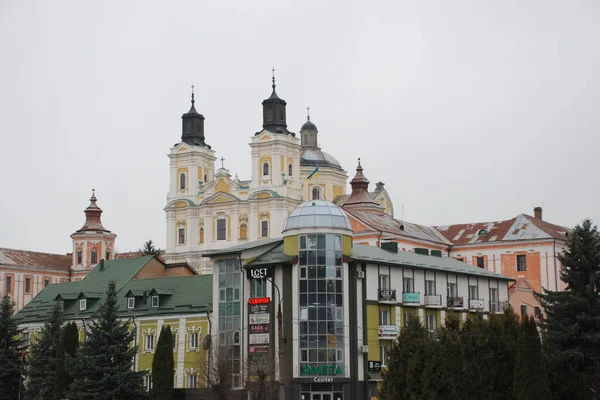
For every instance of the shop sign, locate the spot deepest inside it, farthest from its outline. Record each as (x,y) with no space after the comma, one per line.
(259,338)
(387,295)
(258,349)
(411,297)
(322,370)
(259,328)
(259,300)
(259,273)
(374,366)
(259,319)
(388,331)
(476,304)
(323,379)
(456,302)
(433,300)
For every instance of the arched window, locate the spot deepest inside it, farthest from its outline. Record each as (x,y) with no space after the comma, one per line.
(243,231)
(290,169)
(201,235)
(205,178)
(316,193)
(266,169)
(182,181)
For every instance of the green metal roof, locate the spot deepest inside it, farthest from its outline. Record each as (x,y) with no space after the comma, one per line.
(271,257)
(380,256)
(92,287)
(189,294)
(242,247)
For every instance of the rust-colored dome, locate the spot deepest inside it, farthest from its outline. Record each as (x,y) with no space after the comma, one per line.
(92,217)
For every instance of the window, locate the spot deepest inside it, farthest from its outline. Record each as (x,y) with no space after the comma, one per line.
(82,304)
(521,262)
(481,262)
(429,288)
(194,340)
(384,354)
(8,284)
(243,231)
(94,257)
(264,228)
(79,257)
(205,178)
(407,286)
(108,255)
(182,181)
(431,322)
(266,169)
(147,382)
(452,290)
(202,235)
(384,282)
(46,282)
(26,338)
(131,302)
(316,193)
(523,310)
(290,170)
(181,236)
(384,317)
(258,288)
(192,381)
(155,301)
(473,293)
(149,343)
(221,229)
(27,285)
(494,303)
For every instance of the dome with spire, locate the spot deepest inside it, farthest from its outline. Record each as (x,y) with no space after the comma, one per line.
(193,126)
(274,113)
(311,154)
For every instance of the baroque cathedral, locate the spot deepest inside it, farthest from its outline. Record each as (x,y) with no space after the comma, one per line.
(208,210)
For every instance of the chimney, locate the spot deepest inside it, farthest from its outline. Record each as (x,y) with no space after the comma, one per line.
(537,212)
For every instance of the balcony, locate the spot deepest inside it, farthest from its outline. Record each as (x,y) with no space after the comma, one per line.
(455,302)
(388,331)
(387,295)
(433,300)
(476,304)
(411,298)
(496,307)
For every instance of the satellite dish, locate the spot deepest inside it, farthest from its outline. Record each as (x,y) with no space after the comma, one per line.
(207,342)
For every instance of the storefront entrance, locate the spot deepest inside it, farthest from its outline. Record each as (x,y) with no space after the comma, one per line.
(321,392)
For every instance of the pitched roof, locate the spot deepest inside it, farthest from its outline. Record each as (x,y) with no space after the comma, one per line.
(406,258)
(242,247)
(385,223)
(273,256)
(59,262)
(521,227)
(93,287)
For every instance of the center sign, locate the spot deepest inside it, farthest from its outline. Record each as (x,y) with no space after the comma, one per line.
(260,273)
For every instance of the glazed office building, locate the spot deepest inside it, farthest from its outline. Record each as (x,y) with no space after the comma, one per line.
(300,307)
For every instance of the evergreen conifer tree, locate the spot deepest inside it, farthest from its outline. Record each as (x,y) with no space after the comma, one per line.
(572,322)
(10,353)
(162,367)
(406,362)
(531,381)
(42,362)
(105,359)
(69,343)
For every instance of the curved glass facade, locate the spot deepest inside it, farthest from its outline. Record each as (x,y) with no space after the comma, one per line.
(321,305)
(317,214)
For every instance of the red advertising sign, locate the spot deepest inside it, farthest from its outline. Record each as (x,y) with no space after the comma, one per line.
(259,328)
(258,349)
(259,300)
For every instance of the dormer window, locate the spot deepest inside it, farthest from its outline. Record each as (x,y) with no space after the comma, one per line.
(154,301)
(482,232)
(182,181)
(131,302)
(82,304)
(266,169)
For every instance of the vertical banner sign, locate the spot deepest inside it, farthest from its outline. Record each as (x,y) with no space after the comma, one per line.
(259,333)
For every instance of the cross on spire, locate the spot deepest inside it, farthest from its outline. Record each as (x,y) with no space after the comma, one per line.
(222,159)
(273,71)
(308,113)
(193,94)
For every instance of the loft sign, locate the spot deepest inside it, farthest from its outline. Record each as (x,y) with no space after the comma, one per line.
(322,370)
(259,273)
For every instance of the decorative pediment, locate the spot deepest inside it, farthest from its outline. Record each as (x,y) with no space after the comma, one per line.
(180,203)
(220,198)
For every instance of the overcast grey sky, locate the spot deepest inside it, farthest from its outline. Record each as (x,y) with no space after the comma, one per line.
(468,110)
